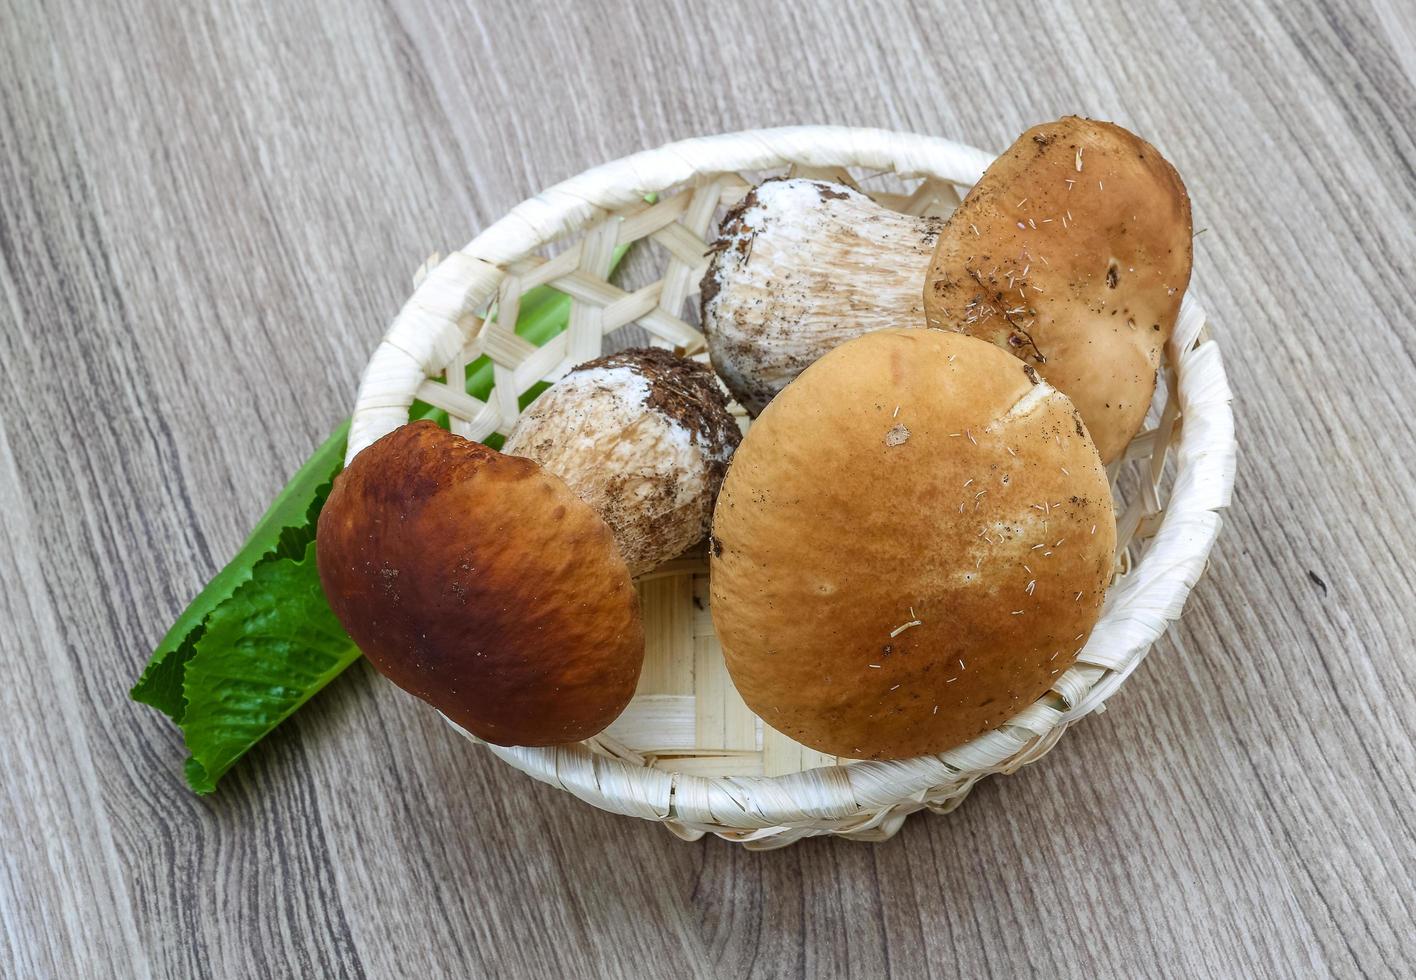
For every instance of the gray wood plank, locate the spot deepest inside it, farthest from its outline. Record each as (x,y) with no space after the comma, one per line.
(208,213)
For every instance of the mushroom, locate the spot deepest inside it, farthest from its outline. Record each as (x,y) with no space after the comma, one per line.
(642,436)
(498,586)
(480,583)
(1072,252)
(800,266)
(912,543)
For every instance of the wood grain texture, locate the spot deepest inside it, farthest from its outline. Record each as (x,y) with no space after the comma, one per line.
(207,214)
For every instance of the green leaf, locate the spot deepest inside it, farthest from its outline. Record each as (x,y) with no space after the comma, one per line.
(289,522)
(259,640)
(296,507)
(266,650)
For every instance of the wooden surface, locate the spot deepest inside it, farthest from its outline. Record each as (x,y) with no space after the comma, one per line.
(208,213)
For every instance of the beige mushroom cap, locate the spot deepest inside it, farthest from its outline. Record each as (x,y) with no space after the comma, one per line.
(1073,251)
(478,582)
(912,542)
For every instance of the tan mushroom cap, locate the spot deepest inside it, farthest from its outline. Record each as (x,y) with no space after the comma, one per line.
(912,542)
(478,582)
(1073,252)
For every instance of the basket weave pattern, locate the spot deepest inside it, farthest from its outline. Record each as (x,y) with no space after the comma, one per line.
(687,751)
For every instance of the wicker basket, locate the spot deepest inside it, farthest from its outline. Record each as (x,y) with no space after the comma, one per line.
(687,751)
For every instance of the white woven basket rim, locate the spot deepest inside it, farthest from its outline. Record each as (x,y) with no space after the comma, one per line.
(866,799)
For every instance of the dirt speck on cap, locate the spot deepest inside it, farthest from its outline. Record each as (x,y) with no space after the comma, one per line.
(897,436)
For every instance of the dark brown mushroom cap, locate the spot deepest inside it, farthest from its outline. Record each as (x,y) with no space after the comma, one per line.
(480,583)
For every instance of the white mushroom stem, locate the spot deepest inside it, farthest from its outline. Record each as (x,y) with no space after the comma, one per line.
(801,267)
(644,438)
